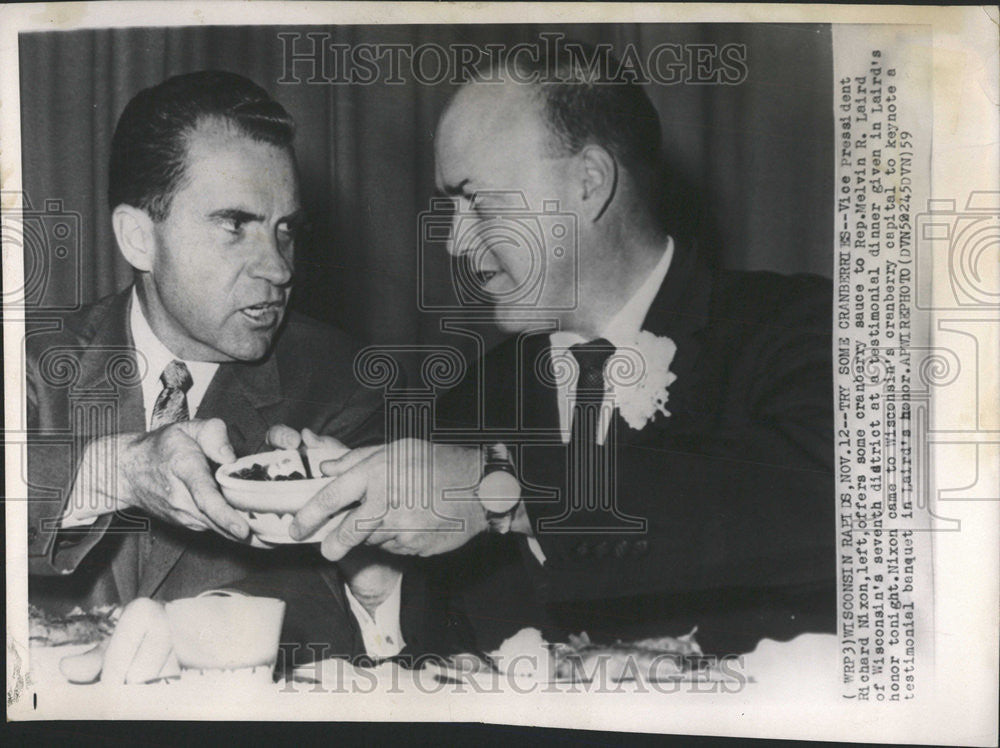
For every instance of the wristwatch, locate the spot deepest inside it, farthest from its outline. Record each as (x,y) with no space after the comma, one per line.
(499,490)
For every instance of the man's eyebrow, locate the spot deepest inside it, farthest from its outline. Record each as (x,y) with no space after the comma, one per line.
(240,215)
(236,214)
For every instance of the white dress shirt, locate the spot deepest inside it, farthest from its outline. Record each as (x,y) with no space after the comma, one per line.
(152,357)
(151,350)
(620,332)
(382,634)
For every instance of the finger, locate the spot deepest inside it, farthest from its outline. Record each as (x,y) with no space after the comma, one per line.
(86,667)
(365,556)
(385,538)
(284,437)
(209,502)
(335,496)
(314,441)
(139,617)
(190,522)
(184,512)
(394,545)
(399,543)
(213,439)
(322,448)
(353,531)
(337,467)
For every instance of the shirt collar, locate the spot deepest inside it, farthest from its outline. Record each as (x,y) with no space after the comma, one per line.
(156,356)
(622,328)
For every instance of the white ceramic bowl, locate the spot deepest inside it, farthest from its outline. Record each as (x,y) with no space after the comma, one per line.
(269,505)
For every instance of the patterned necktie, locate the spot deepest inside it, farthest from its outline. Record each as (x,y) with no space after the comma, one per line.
(171,404)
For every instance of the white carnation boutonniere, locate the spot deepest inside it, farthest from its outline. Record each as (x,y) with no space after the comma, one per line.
(639,377)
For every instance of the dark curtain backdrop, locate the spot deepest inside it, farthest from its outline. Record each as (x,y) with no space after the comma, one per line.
(757,156)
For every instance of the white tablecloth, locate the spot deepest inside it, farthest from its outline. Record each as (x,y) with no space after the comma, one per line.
(774,673)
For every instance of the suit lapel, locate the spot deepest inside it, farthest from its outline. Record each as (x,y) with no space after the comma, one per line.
(239,394)
(539,410)
(680,311)
(109,370)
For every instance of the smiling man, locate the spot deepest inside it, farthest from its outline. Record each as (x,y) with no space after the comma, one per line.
(192,363)
(610,245)
(667,425)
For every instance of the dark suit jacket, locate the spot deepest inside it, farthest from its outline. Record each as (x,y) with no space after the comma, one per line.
(735,487)
(81,384)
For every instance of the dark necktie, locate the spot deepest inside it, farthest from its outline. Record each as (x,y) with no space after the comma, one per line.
(590,388)
(589,473)
(171,407)
(591,504)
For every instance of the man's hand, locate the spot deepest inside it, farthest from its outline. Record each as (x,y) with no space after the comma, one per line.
(165,473)
(140,650)
(408,516)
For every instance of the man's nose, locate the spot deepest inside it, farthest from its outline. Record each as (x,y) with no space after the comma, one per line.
(274,262)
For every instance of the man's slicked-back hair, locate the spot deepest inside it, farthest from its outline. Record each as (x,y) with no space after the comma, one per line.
(149,147)
(589,99)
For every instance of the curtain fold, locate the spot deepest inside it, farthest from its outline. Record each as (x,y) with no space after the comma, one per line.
(758,156)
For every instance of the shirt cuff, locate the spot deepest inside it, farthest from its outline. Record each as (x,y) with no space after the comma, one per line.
(86,504)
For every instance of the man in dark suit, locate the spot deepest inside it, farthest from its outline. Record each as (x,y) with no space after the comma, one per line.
(132,400)
(670,425)
(736,484)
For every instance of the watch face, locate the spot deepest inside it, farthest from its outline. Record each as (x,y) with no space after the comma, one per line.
(499,492)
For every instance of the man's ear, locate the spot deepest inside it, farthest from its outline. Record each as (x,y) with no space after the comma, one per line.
(600,180)
(134,233)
